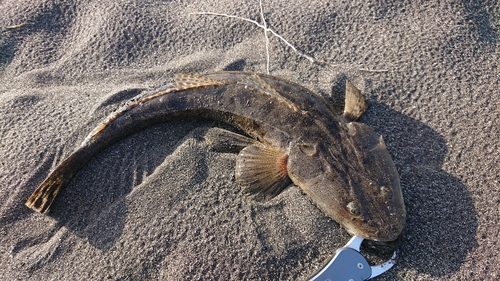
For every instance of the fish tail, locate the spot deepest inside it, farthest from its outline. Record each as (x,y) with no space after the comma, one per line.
(43,197)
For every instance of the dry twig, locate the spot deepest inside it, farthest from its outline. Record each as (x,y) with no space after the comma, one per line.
(15,26)
(266,30)
(265,35)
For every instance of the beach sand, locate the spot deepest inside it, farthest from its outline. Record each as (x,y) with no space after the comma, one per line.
(162,205)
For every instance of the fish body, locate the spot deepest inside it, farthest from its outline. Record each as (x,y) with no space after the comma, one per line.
(295,136)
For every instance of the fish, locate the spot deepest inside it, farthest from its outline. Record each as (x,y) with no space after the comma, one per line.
(291,136)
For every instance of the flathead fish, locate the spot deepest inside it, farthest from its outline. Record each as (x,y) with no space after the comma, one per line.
(293,136)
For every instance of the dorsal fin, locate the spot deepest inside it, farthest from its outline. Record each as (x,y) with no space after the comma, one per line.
(262,86)
(355,103)
(190,81)
(261,170)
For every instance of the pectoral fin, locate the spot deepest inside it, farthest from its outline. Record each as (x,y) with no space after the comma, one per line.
(227,141)
(261,170)
(355,104)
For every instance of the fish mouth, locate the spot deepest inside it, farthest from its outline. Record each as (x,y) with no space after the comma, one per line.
(383,248)
(384,238)
(387,232)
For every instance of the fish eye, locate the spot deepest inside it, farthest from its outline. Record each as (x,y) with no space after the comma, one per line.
(309,149)
(353,208)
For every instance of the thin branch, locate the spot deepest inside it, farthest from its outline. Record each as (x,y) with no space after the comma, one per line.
(265,35)
(266,29)
(15,26)
(299,53)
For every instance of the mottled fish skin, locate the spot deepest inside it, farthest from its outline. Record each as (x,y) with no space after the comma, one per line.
(342,165)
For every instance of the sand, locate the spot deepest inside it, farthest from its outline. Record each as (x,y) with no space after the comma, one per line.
(161,205)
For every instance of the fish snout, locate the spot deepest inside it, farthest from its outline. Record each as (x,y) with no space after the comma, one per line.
(390,229)
(385,228)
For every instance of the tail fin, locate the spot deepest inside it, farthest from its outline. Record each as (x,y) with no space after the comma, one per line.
(41,199)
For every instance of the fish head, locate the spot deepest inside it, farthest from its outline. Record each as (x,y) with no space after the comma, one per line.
(354,181)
